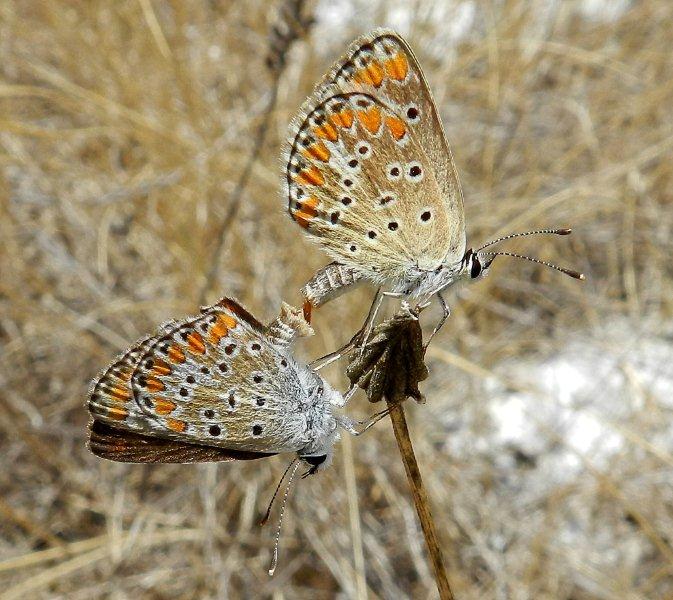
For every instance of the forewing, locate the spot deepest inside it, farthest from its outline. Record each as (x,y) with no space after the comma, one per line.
(216,380)
(368,171)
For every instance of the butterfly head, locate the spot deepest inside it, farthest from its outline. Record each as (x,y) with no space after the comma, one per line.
(475,265)
(426,282)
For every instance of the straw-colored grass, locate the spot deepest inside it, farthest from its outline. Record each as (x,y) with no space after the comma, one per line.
(124,127)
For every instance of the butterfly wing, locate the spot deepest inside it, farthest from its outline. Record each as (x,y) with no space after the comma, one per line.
(368,171)
(120,445)
(217,380)
(110,398)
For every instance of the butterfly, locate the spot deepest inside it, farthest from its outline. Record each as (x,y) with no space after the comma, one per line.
(369,175)
(217,387)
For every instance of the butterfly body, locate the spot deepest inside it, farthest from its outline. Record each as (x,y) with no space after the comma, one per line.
(221,380)
(369,175)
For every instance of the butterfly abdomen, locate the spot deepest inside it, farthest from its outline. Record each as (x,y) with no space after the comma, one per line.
(328,283)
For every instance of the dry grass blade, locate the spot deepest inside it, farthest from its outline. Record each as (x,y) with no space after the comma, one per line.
(292,23)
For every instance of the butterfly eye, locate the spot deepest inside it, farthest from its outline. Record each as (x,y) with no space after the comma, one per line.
(475,270)
(321,389)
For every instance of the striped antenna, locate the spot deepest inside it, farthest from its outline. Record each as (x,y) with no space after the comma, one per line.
(273,498)
(565,231)
(274,560)
(570,272)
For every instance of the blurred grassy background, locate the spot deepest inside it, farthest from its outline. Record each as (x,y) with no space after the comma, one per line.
(546,439)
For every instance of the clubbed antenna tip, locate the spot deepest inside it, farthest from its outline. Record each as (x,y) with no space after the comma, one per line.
(561,231)
(569,272)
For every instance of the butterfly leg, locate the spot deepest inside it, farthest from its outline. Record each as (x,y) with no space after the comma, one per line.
(351,425)
(446,312)
(361,338)
(328,359)
(366,329)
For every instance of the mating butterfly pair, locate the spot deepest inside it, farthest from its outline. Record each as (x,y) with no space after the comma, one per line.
(369,175)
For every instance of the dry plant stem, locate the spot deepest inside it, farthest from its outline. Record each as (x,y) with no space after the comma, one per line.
(237,194)
(420,498)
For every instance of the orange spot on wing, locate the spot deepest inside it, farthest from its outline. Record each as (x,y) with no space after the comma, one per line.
(195,343)
(343,118)
(125,374)
(120,393)
(371,74)
(370,119)
(161,367)
(116,413)
(327,132)
(176,425)
(397,127)
(163,406)
(175,354)
(229,322)
(318,151)
(397,67)
(217,332)
(311,176)
(307,211)
(154,385)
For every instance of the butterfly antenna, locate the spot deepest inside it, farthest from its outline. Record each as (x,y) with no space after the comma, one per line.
(268,510)
(274,560)
(565,231)
(570,272)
